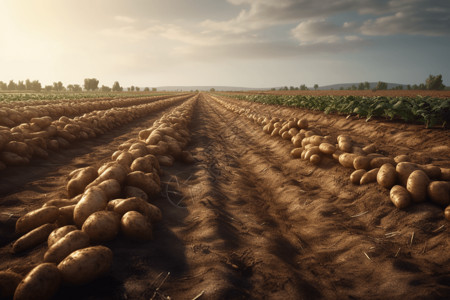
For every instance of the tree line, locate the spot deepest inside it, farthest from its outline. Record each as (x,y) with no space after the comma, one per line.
(90,84)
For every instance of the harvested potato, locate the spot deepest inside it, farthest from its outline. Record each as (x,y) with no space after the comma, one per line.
(60,202)
(303,123)
(143,164)
(115,171)
(33,238)
(401,158)
(59,233)
(37,218)
(9,281)
(165,160)
(155,214)
(41,283)
(69,243)
(78,183)
(400,196)
(356,176)
(297,140)
(439,192)
(135,203)
(346,159)
(111,187)
(136,226)
(315,159)
(66,215)
(447,213)
(387,176)
(144,181)
(370,148)
(377,162)
(445,174)
(296,152)
(13,159)
(132,191)
(336,154)
(327,148)
(370,176)
(85,265)
(94,199)
(417,184)
(433,172)
(116,154)
(125,159)
(311,151)
(102,226)
(404,169)
(362,162)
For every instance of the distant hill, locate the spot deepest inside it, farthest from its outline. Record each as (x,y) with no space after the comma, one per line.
(349,85)
(206,88)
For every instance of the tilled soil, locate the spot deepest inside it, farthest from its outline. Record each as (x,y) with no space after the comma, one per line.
(248,221)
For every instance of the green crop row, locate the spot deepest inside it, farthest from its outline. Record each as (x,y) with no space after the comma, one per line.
(424,110)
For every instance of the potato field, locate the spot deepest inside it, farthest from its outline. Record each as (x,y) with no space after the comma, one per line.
(224,196)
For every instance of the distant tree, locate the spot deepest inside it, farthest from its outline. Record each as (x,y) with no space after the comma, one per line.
(3,86)
(303,87)
(366,85)
(408,87)
(12,85)
(70,87)
(316,86)
(434,82)
(28,84)
(21,86)
(415,87)
(105,89)
(138,89)
(48,88)
(146,89)
(90,84)
(422,86)
(153,89)
(341,88)
(116,87)
(272,89)
(354,87)
(381,85)
(291,88)
(77,88)
(36,86)
(58,86)
(361,86)
(132,88)
(212,89)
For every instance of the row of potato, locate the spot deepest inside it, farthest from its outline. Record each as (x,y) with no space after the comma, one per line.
(35,139)
(408,182)
(101,204)
(12,114)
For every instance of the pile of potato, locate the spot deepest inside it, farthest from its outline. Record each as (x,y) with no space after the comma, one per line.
(102,203)
(408,182)
(42,134)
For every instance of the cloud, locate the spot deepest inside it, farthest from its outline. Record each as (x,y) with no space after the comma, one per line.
(317,31)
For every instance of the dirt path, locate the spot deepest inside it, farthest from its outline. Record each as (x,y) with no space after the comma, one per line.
(247,221)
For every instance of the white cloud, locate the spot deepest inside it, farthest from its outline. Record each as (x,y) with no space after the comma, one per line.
(317,31)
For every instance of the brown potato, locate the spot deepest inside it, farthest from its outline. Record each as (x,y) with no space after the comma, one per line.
(79,182)
(125,158)
(447,213)
(94,199)
(296,152)
(59,233)
(417,184)
(327,148)
(356,176)
(136,226)
(66,215)
(69,243)
(135,203)
(404,169)
(346,159)
(311,151)
(9,281)
(439,192)
(60,202)
(41,283)
(401,158)
(131,191)
(400,196)
(445,174)
(377,162)
(143,164)
(165,160)
(297,140)
(102,226)
(433,172)
(13,159)
(111,187)
(155,214)
(144,181)
(362,162)
(370,148)
(115,171)
(85,265)
(303,123)
(370,176)
(36,218)
(33,238)
(387,176)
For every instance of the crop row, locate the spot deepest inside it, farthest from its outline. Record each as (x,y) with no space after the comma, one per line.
(408,182)
(424,110)
(13,115)
(36,138)
(103,203)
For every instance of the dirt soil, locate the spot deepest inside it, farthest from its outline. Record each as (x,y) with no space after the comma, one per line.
(246,221)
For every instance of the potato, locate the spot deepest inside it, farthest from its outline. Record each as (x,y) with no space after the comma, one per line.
(336,154)
(154,138)
(345,146)
(135,203)
(131,191)
(115,171)
(445,174)
(370,176)
(311,151)
(447,213)
(377,162)
(404,169)
(303,123)
(356,176)
(125,159)
(136,226)
(370,148)
(9,281)
(144,181)
(433,172)
(401,158)
(165,160)
(66,215)
(143,164)
(439,192)
(297,140)
(42,282)
(13,159)
(85,265)
(79,182)
(69,243)
(111,187)
(327,148)
(155,214)
(60,202)
(362,162)
(417,184)
(102,226)
(59,233)
(94,199)
(33,238)
(36,218)
(400,196)
(315,159)
(19,148)
(346,159)
(116,154)
(42,122)
(387,176)
(296,152)
(358,151)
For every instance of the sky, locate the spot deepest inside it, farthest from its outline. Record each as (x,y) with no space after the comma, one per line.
(244,43)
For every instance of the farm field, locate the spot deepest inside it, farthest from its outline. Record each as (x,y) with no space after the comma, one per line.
(241,218)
